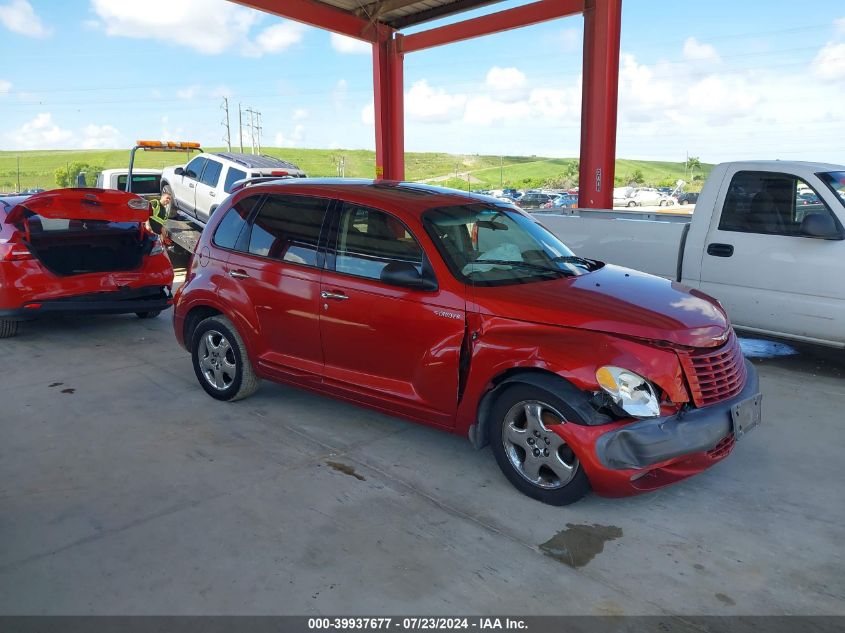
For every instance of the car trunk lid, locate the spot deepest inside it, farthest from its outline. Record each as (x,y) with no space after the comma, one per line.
(82,204)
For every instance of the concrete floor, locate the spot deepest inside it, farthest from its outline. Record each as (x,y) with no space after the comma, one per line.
(124,489)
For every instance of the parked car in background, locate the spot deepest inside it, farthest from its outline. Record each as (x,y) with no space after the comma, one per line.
(145,182)
(579,374)
(690,197)
(774,264)
(562,201)
(196,189)
(535,200)
(83,251)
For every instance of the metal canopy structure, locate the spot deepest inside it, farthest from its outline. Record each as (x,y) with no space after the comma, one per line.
(379,22)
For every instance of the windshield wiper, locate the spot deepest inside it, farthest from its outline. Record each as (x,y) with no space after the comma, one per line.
(516,262)
(591,264)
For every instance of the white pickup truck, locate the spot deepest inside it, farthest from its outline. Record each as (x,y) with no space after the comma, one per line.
(767,239)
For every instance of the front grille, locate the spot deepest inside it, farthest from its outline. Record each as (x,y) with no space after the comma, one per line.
(715,375)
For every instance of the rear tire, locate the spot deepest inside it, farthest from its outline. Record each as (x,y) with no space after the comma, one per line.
(148,315)
(532,456)
(632,204)
(8,329)
(221,362)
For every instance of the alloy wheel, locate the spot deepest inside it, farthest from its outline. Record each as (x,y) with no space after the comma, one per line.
(217,360)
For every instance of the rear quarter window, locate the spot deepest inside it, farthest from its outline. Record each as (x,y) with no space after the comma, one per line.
(232,176)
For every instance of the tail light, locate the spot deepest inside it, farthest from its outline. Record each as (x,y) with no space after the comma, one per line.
(14,251)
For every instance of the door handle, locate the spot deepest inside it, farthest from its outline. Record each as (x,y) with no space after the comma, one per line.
(238,274)
(191,185)
(720,250)
(338,296)
(212,194)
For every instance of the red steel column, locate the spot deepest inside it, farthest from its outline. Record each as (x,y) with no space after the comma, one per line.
(602,26)
(388,99)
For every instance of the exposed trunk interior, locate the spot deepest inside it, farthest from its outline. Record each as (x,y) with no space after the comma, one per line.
(79,250)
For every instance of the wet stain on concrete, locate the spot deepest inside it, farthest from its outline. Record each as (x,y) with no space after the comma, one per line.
(725,599)
(698,566)
(55,384)
(577,545)
(346,470)
(68,390)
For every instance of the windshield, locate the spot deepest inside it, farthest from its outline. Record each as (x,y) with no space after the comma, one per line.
(490,245)
(836,181)
(141,183)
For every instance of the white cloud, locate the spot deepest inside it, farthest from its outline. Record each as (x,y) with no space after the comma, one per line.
(188,93)
(19,16)
(277,38)
(5,86)
(368,114)
(485,110)
(839,26)
(570,39)
(696,51)
(505,79)
(295,139)
(101,137)
(829,63)
(41,133)
(300,114)
(350,45)
(424,103)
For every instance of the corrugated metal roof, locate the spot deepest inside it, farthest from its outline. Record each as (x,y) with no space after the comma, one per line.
(401,13)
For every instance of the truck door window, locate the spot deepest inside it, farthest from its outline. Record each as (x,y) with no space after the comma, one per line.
(211,174)
(769,203)
(288,228)
(194,168)
(368,240)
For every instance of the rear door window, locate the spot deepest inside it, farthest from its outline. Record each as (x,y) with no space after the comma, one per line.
(232,176)
(230,232)
(288,228)
(211,174)
(141,183)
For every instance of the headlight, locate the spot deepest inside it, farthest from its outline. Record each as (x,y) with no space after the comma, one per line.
(633,393)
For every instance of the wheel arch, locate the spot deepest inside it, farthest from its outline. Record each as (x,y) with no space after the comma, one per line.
(194,317)
(543,379)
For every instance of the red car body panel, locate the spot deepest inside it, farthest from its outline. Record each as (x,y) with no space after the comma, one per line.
(28,287)
(399,351)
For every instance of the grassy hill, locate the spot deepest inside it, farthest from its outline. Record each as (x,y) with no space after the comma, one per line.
(37,168)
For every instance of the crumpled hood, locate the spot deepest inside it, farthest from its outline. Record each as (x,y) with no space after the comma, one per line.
(615,300)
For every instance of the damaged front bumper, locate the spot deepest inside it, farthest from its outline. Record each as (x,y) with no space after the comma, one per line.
(645,443)
(123,301)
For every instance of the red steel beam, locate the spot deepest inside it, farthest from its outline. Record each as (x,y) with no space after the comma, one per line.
(388,101)
(317,14)
(602,26)
(525,15)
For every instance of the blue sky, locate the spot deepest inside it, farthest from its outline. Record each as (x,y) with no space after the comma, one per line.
(722,80)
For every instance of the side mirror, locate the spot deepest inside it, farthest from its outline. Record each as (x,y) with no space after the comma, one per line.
(406,275)
(179,171)
(821,226)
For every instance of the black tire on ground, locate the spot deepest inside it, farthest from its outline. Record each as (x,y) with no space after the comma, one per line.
(632,204)
(218,335)
(8,329)
(509,412)
(148,315)
(168,211)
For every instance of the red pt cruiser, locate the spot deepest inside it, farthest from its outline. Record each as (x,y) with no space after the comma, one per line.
(464,313)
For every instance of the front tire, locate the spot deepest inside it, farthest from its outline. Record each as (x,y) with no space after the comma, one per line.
(221,362)
(8,329)
(535,459)
(632,204)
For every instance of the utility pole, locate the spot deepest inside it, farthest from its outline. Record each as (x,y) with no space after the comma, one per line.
(241,126)
(251,114)
(258,130)
(225,124)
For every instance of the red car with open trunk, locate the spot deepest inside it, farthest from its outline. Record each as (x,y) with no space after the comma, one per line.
(86,251)
(462,312)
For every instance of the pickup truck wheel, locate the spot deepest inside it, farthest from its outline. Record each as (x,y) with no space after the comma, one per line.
(531,455)
(632,204)
(8,329)
(168,211)
(221,362)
